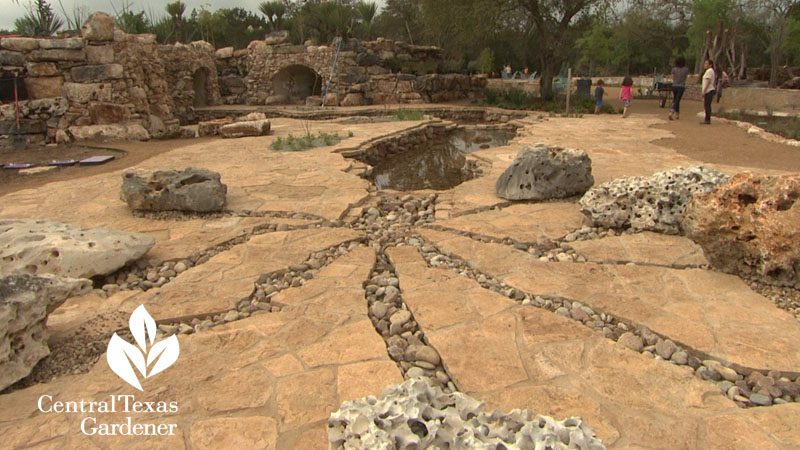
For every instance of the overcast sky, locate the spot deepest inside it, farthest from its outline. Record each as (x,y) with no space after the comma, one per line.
(10,11)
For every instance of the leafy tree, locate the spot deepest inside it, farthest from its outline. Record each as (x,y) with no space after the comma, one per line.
(555,23)
(399,19)
(39,20)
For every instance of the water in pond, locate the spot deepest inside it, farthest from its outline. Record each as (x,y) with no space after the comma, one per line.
(438,164)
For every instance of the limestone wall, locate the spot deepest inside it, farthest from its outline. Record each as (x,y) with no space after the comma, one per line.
(761,99)
(191,73)
(376,72)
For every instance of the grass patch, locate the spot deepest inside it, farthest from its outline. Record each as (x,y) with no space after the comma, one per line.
(521,100)
(408,114)
(297,144)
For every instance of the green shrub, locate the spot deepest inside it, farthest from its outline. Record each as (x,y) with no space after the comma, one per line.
(408,114)
(308,141)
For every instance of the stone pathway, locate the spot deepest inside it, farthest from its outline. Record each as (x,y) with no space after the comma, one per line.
(311,289)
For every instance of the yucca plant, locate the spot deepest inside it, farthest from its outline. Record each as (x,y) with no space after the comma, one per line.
(39,20)
(274,11)
(175,11)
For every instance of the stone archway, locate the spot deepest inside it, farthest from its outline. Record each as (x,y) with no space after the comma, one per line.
(296,82)
(200,87)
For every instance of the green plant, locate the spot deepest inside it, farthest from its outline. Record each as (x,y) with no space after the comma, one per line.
(307,141)
(408,114)
(39,20)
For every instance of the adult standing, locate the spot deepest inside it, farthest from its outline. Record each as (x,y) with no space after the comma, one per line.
(709,84)
(679,74)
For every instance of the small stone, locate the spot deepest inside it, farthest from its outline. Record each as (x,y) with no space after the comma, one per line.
(725,386)
(680,357)
(579,314)
(428,354)
(728,373)
(665,348)
(760,399)
(631,341)
(231,316)
(379,310)
(400,317)
(180,266)
(415,372)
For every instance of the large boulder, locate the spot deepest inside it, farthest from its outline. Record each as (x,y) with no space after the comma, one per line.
(545,172)
(25,302)
(750,226)
(652,203)
(196,190)
(99,27)
(243,129)
(38,247)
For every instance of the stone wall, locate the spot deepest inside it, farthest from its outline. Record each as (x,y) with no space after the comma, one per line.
(191,74)
(367,72)
(231,71)
(760,100)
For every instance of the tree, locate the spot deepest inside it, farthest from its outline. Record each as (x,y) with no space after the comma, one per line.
(552,21)
(777,14)
(39,20)
(175,11)
(400,15)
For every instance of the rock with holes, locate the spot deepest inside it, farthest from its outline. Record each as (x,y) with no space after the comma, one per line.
(195,190)
(30,246)
(25,302)
(750,226)
(652,203)
(544,172)
(245,128)
(418,415)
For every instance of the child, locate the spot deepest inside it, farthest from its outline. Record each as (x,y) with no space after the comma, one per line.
(625,95)
(598,96)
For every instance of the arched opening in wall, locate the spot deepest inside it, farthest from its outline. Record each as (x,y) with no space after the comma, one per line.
(297,82)
(200,86)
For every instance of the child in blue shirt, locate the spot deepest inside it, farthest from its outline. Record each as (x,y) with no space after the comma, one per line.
(598,96)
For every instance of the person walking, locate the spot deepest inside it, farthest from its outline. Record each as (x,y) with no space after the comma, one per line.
(625,95)
(709,84)
(598,96)
(679,74)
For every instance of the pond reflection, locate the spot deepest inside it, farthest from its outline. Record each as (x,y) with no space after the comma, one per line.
(438,164)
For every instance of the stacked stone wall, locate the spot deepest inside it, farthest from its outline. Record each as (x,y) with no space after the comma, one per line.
(181,65)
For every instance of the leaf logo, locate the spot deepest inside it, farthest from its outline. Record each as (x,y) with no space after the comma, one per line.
(123,357)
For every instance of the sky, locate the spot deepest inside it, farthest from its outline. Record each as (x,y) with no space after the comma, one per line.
(10,11)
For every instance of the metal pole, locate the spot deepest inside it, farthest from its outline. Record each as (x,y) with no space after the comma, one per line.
(335,58)
(569,86)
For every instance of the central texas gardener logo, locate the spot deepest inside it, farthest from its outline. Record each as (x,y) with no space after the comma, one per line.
(123,357)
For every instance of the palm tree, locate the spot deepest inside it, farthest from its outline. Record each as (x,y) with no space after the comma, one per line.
(367,11)
(176,10)
(274,11)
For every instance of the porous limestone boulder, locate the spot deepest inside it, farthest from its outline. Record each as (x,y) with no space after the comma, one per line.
(545,172)
(29,246)
(750,226)
(652,203)
(109,132)
(25,302)
(418,415)
(196,190)
(244,129)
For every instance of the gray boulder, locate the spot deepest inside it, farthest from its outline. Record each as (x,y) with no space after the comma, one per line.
(44,247)
(25,302)
(652,203)
(190,189)
(545,172)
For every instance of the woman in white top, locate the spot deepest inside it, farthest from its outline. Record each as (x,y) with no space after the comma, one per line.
(709,83)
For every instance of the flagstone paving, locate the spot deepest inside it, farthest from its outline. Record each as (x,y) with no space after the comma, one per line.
(643,248)
(712,312)
(531,357)
(271,379)
(267,381)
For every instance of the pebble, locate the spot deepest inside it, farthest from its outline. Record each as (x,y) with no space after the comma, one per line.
(379,309)
(231,316)
(180,266)
(415,372)
(665,348)
(728,373)
(680,357)
(428,354)
(761,400)
(631,341)
(400,317)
